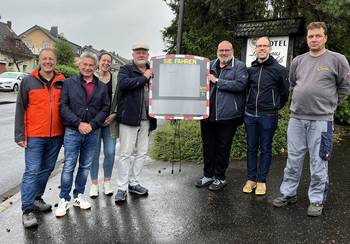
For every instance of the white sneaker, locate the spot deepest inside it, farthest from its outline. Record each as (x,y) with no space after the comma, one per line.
(62,208)
(93,191)
(107,188)
(81,202)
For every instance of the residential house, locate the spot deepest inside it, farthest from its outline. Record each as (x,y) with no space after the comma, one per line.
(37,38)
(14,54)
(117,60)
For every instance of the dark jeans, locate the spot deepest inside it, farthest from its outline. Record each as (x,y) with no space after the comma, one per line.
(82,146)
(260,131)
(40,160)
(217,140)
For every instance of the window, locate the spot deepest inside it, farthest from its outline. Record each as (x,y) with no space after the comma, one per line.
(45,45)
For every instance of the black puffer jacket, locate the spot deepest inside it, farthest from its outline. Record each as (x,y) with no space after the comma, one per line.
(268,87)
(131,84)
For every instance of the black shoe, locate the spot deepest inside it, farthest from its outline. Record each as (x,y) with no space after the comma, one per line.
(138,189)
(40,205)
(29,220)
(314,209)
(204,181)
(120,197)
(283,201)
(217,185)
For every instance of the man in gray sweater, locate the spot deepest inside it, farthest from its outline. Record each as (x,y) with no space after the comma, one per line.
(319,80)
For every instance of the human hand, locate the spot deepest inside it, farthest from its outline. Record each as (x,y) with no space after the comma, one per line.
(212,78)
(110,119)
(22,144)
(148,73)
(84,128)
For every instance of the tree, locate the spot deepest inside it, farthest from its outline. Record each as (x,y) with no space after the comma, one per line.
(207,22)
(64,52)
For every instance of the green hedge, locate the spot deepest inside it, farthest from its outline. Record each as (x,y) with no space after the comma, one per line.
(191,146)
(67,70)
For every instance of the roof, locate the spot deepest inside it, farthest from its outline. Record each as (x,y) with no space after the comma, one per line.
(76,48)
(119,61)
(10,43)
(272,27)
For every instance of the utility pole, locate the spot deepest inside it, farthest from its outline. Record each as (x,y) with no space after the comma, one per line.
(180,27)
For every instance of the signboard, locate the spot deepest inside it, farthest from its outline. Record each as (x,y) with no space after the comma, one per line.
(279,45)
(179,88)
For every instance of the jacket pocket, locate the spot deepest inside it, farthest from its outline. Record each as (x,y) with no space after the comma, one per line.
(273,98)
(326,146)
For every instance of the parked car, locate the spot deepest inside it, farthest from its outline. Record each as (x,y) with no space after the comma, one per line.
(10,81)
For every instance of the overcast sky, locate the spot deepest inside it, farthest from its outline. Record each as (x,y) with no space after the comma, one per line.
(112,25)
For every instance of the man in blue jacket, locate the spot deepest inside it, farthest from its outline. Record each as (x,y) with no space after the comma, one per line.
(134,123)
(267,93)
(228,81)
(84,108)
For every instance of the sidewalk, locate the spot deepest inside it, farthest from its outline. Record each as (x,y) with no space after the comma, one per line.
(177,212)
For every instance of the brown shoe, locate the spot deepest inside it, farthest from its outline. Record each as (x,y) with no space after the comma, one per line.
(260,189)
(249,186)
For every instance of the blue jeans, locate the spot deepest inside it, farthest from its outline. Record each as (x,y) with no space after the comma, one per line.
(108,151)
(40,159)
(260,131)
(84,146)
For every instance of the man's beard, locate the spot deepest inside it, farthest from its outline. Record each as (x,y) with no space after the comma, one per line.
(141,62)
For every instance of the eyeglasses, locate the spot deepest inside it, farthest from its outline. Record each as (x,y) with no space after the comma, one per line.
(262,46)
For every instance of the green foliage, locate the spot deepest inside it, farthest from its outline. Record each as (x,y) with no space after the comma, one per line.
(191,144)
(206,23)
(64,52)
(67,70)
(343,112)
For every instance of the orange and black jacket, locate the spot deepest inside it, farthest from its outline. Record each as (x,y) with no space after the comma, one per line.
(37,109)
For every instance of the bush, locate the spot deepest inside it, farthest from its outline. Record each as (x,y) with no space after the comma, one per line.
(67,70)
(343,112)
(191,145)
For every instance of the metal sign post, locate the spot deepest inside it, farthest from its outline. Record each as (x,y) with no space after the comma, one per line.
(179,91)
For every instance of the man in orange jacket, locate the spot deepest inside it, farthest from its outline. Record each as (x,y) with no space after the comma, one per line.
(39,130)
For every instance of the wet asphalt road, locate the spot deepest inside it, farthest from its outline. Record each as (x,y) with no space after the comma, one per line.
(177,212)
(11,155)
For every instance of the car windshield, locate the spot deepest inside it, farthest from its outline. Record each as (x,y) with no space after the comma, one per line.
(8,75)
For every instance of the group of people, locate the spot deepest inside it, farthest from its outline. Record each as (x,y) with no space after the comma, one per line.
(95,106)
(319,80)
(80,112)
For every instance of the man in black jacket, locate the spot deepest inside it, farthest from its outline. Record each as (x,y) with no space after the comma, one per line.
(134,123)
(84,108)
(267,93)
(228,81)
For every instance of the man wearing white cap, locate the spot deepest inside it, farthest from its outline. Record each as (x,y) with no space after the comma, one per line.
(134,123)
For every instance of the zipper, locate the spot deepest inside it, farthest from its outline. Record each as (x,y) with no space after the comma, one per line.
(49,90)
(235,103)
(141,104)
(257,94)
(273,98)
(216,98)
